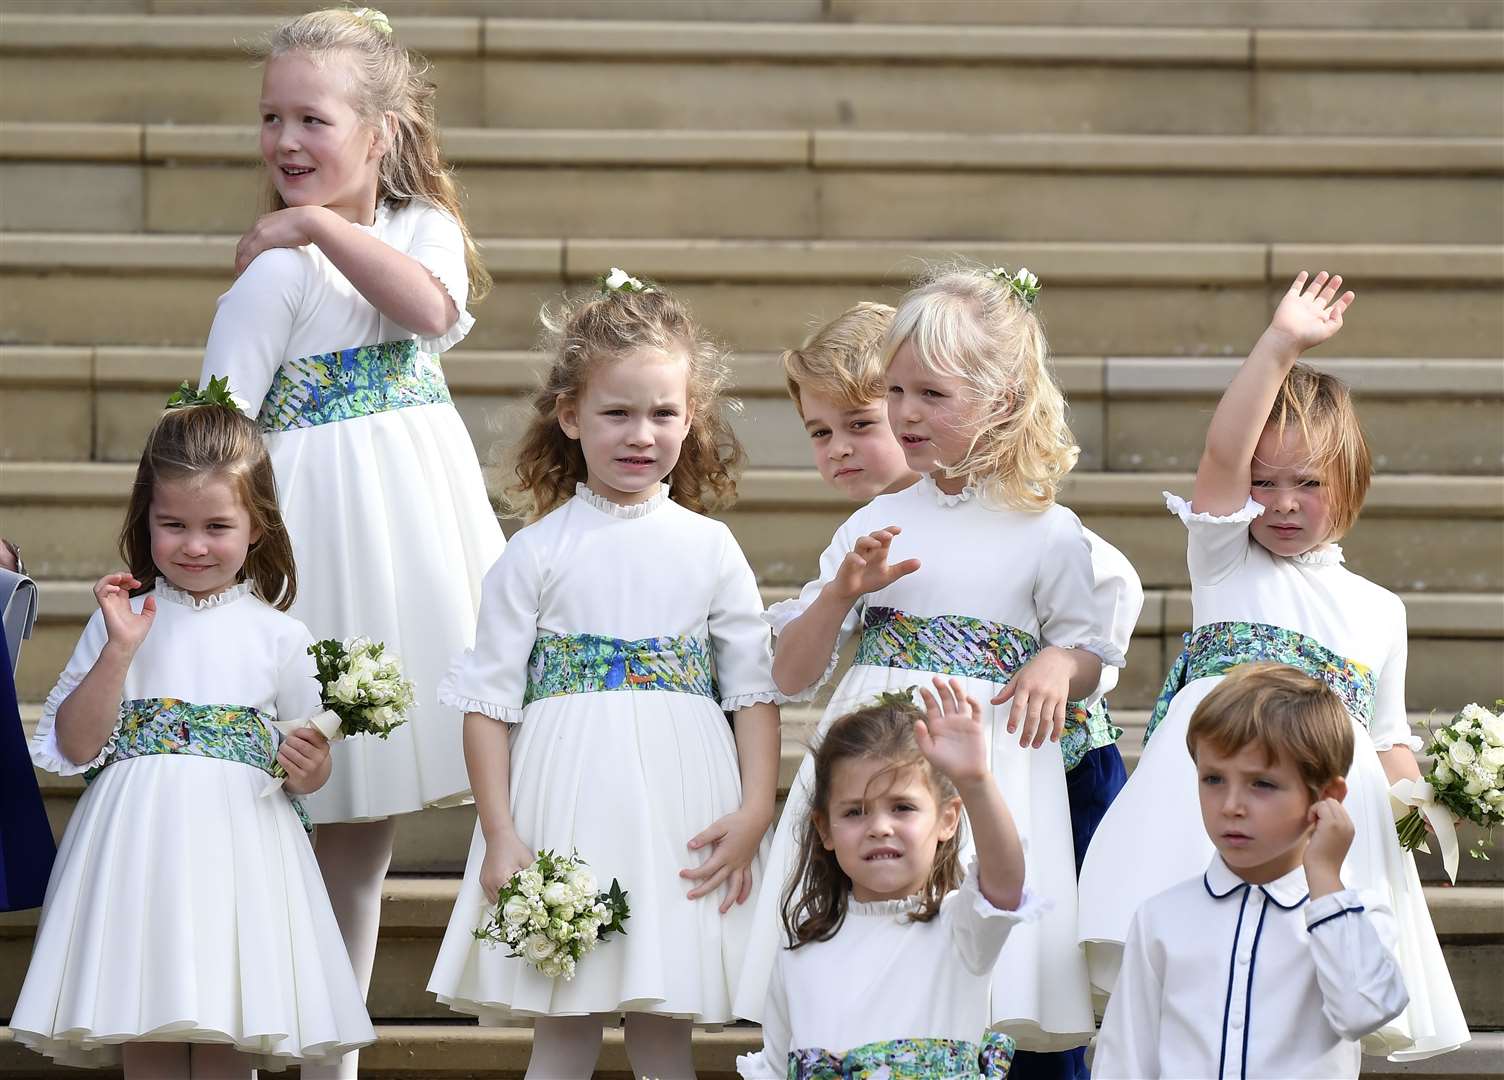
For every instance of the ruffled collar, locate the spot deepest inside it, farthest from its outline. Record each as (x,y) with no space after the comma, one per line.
(1321,555)
(945,498)
(884,907)
(618,510)
(164,590)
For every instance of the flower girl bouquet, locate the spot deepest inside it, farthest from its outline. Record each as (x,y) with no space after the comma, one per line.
(550,914)
(362,689)
(1466,781)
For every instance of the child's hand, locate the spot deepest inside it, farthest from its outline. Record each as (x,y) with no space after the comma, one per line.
(305,756)
(734,840)
(1039,691)
(865,568)
(951,736)
(291,227)
(1330,834)
(1307,315)
(504,857)
(126,629)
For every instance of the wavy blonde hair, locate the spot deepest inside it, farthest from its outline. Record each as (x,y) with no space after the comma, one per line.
(1320,407)
(600,329)
(843,360)
(385,79)
(963,323)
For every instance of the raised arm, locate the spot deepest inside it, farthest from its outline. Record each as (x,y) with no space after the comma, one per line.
(1307,316)
(88,715)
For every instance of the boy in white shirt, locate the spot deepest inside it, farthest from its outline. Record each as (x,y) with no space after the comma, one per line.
(1264,966)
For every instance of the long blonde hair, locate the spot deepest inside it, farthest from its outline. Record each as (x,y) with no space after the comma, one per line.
(385,78)
(600,329)
(964,323)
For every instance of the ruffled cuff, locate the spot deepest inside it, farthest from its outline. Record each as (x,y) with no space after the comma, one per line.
(1415,743)
(1102,649)
(451,694)
(453,336)
(809,692)
(757,697)
(1031,905)
(756,1067)
(1182,509)
(45,751)
(782,613)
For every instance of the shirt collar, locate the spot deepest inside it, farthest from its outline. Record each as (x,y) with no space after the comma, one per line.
(1286,892)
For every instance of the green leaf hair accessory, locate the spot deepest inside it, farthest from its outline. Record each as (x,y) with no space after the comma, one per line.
(1024,284)
(618,280)
(902,698)
(216,393)
(376,18)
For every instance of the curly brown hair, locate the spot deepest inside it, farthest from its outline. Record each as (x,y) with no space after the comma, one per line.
(814,902)
(600,329)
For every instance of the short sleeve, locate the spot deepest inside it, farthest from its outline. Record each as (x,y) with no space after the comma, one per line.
(1215,545)
(492,677)
(738,634)
(439,245)
(253,323)
(771,1062)
(786,611)
(1071,614)
(45,751)
(1127,1047)
(1119,593)
(977,929)
(1391,721)
(298,695)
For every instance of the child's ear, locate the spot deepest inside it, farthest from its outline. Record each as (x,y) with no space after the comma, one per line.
(386,137)
(568,411)
(950,817)
(823,828)
(255,537)
(1336,788)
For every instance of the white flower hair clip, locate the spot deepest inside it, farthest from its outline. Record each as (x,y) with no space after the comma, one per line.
(376,18)
(618,280)
(1024,284)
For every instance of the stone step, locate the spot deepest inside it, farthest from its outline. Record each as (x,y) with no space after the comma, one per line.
(1100,299)
(571,73)
(1129,414)
(164,178)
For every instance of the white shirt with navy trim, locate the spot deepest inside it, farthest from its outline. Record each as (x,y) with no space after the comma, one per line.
(1225,979)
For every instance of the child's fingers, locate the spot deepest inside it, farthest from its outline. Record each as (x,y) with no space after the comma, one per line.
(1299,283)
(1003,695)
(1343,303)
(932,706)
(1057,721)
(711,834)
(1020,710)
(1037,718)
(922,738)
(1333,283)
(1314,289)
(711,884)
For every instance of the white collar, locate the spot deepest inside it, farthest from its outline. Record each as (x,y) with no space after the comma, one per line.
(165,590)
(945,498)
(1287,892)
(618,510)
(1321,555)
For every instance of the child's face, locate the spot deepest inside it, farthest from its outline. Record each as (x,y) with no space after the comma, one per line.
(316,147)
(929,413)
(885,829)
(855,449)
(200,533)
(631,420)
(1292,491)
(1256,812)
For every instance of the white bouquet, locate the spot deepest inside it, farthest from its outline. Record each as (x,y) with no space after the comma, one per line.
(362,689)
(550,914)
(1466,781)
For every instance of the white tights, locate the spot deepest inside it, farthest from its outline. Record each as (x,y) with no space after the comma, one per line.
(354,857)
(566,1047)
(184,1061)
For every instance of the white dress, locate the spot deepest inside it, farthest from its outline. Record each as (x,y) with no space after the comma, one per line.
(379,486)
(983,571)
(884,983)
(183,906)
(620,748)
(1152,836)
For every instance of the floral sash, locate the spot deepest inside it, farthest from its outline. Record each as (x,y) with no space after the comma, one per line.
(975,649)
(588,663)
(351,383)
(908,1059)
(1217,648)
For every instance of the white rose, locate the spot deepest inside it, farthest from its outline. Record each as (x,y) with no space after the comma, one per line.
(617,278)
(530,882)
(382,715)
(1495,796)
(1475,785)
(537,948)
(584,883)
(556,894)
(515,911)
(346,688)
(1493,757)
(1462,753)
(1474,711)
(1443,774)
(1493,730)
(1463,726)
(565,913)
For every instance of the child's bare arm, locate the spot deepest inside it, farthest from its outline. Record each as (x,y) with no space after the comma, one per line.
(88,715)
(488,762)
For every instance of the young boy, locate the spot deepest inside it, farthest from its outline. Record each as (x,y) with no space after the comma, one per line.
(837,380)
(1265,966)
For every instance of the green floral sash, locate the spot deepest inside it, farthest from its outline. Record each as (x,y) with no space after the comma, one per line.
(351,383)
(975,649)
(908,1059)
(588,663)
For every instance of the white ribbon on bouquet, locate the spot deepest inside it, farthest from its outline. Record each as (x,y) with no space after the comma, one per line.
(1420,795)
(326,723)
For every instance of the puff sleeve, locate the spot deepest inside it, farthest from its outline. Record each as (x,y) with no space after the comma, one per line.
(1391,723)
(253,323)
(45,751)
(492,677)
(1070,612)
(438,244)
(738,635)
(1216,545)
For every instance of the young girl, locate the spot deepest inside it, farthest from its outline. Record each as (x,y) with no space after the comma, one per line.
(997,589)
(348,290)
(186,931)
(882,902)
(1281,479)
(613,632)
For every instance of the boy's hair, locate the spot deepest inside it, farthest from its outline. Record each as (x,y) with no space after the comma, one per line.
(843,360)
(1320,407)
(965,323)
(385,78)
(1284,712)
(600,329)
(814,903)
(213,442)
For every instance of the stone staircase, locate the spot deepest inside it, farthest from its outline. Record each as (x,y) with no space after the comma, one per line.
(1166,167)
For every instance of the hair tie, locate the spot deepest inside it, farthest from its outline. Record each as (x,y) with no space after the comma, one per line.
(216,393)
(375,18)
(618,280)
(1024,284)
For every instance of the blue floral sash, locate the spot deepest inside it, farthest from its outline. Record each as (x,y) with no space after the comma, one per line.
(588,663)
(1217,648)
(908,1059)
(975,649)
(351,383)
(169,726)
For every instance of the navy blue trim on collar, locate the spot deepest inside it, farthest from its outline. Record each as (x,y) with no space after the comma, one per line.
(1207,881)
(1333,915)
(1275,900)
